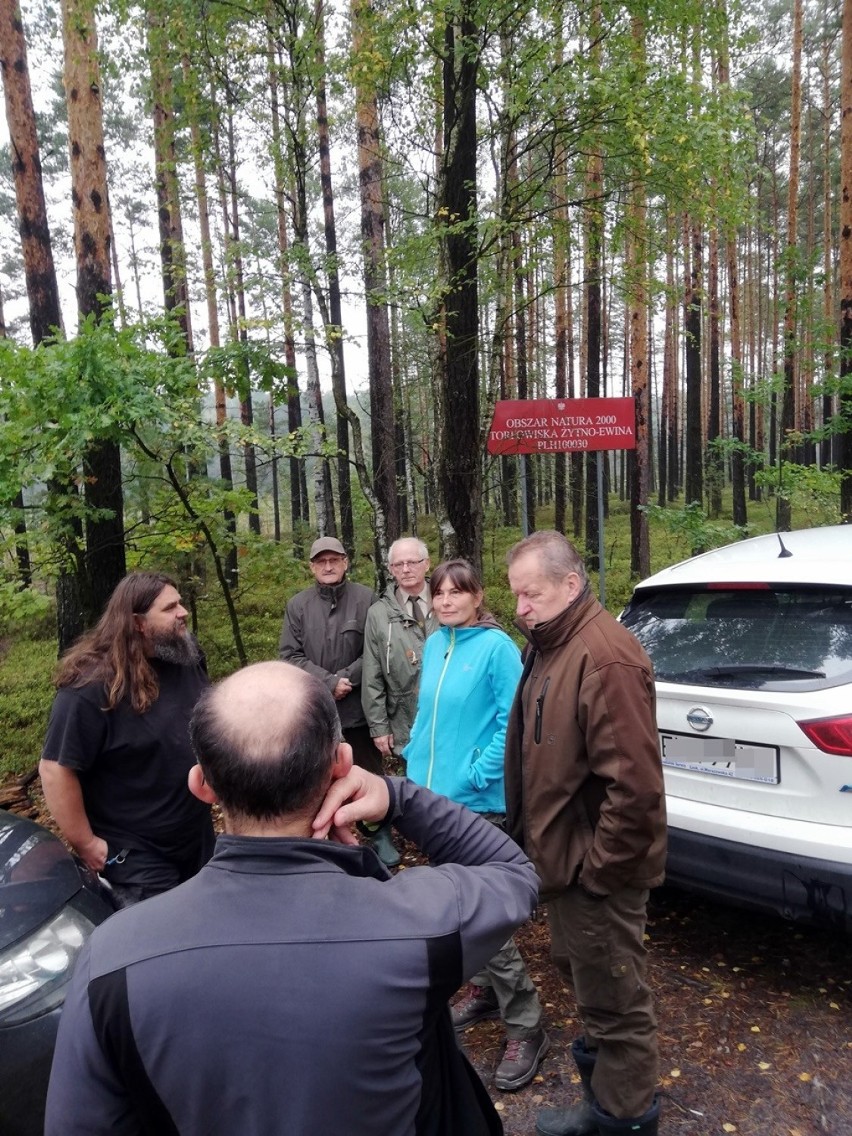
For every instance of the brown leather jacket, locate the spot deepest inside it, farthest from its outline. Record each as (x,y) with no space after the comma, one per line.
(584,782)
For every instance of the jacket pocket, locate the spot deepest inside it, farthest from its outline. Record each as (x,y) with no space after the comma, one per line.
(539,710)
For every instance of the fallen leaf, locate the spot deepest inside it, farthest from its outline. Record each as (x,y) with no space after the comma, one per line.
(742,1047)
(728,1127)
(764,1065)
(674,1073)
(755,1029)
(804,1077)
(499,1106)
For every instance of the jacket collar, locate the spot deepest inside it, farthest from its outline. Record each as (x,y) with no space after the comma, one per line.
(331,593)
(563,626)
(279,855)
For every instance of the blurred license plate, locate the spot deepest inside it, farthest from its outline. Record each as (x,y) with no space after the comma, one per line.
(723,757)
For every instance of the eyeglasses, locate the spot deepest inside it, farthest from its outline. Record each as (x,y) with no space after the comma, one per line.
(327,561)
(407,563)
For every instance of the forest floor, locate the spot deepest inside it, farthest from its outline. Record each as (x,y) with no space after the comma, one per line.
(755,1018)
(755,1021)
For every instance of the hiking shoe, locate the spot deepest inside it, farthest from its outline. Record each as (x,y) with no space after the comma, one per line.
(521,1060)
(576,1120)
(479,1003)
(384,847)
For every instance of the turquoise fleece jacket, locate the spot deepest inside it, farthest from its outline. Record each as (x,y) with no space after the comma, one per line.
(467,686)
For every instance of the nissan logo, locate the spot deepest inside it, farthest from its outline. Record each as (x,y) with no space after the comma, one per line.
(699,718)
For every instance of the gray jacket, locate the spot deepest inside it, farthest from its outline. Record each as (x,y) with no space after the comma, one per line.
(393,651)
(323,633)
(294,986)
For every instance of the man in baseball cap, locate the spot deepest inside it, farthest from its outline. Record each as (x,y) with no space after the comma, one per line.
(323,633)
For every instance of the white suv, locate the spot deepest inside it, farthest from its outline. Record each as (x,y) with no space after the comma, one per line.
(752,649)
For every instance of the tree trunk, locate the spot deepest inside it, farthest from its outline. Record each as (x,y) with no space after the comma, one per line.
(714,464)
(829,368)
(43,294)
(382,418)
(105,561)
(299,507)
(592,276)
(845,444)
(594,241)
(786,445)
(231,568)
(459,457)
(172,252)
(240,328)
(334,328)
(637,272)
(694,475)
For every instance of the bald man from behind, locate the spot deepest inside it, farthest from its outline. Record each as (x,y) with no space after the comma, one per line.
(249,999)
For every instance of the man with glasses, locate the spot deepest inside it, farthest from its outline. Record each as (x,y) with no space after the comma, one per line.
(323,633)
(396,630)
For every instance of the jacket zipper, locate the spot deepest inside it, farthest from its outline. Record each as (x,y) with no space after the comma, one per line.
(447,659)
(539,710)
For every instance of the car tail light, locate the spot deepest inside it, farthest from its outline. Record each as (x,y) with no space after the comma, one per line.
(833,735)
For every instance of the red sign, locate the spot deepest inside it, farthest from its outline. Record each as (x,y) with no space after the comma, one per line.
(562,425)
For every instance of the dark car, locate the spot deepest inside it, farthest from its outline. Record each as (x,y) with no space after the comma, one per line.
(49,904)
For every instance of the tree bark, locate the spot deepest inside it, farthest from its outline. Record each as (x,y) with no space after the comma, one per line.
(637,269)
(459,457)
(172,251)
(786,445)
(105,559)
(370,172)
(845,443)
(334,326)
(299,507)
(230,564)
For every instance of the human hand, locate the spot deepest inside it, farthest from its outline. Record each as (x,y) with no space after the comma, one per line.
(344,687)
(93,853)
(384,744)
(359,796)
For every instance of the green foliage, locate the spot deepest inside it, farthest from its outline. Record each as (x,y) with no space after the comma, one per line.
(125,385)
(692,525)
(25,696)
(814,491)
(22,607)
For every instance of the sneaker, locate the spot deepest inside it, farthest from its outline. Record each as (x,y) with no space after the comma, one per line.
(521,1060)
(479,1003)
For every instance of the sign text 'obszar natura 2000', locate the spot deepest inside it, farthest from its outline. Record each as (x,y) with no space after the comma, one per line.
(562,425)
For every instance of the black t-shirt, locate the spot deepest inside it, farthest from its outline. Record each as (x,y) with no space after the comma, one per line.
(133,767)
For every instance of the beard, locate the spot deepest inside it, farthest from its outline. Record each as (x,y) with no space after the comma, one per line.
(176,647)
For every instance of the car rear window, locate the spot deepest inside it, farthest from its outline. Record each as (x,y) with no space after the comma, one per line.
(790,638)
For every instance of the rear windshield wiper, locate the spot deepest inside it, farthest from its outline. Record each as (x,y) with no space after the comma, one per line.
(734,670)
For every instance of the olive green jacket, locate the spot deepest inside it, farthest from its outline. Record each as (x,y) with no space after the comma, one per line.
(393,650)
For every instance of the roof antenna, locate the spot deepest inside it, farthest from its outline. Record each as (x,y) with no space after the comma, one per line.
(784,551)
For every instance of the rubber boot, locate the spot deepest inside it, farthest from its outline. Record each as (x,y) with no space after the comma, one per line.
(384,847)
(578,1119)
(645,1125)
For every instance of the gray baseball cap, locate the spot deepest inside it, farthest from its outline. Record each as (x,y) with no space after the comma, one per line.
(326,544)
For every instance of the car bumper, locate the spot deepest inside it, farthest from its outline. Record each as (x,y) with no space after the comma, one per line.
(799,888)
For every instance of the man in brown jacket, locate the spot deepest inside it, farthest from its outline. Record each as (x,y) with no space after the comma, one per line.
(585,800)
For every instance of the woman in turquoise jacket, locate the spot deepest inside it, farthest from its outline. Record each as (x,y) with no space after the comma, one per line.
(470,671)
(468,679)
